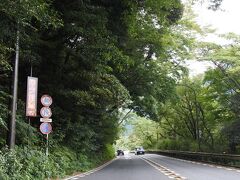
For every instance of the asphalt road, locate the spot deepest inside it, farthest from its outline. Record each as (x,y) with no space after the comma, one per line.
(156,167)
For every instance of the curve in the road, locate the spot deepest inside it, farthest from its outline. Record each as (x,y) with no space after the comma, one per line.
(124,168)
(157,167)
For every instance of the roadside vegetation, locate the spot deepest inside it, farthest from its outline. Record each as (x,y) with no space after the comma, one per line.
(105,61)
(203,112)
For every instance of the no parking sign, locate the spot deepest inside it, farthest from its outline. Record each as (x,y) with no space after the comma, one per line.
(46,128)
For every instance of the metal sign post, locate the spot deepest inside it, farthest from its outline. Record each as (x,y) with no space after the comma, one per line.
(47,146)
(46,128)
(46,113)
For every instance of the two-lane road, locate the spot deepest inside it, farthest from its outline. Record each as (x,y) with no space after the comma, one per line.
(156,167)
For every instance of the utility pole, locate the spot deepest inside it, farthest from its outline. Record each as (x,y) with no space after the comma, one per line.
(12,119)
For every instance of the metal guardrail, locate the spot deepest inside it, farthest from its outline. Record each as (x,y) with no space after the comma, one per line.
(214,158)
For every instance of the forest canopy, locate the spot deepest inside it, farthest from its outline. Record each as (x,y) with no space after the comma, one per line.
(104,63)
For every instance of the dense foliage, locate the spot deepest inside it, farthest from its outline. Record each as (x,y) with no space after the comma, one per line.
(204,114)
(105,62)
(96,58)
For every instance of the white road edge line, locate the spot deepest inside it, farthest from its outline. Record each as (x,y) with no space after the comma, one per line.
(91,171)
(204,164)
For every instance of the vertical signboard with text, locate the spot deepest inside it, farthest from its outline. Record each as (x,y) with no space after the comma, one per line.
(32,90)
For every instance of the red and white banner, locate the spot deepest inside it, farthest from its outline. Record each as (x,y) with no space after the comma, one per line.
(32,91)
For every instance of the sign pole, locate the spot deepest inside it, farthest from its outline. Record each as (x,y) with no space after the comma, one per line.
(47,152)
(46,113)
(47,146)
(29,120)
(29,124)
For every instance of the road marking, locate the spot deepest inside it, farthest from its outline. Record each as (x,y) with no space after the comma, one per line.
(90,172)
(167,172)
(204,164)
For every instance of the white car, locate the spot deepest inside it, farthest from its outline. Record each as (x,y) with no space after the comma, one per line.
(139,150)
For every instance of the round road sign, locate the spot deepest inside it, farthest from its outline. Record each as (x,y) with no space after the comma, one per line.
(46,128)
(46,100)
(46,112)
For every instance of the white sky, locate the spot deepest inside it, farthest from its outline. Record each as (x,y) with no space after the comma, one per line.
(224,21)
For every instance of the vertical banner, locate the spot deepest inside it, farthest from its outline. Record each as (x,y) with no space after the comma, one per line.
(32,90)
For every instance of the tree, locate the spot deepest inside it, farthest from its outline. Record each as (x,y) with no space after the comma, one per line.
(19,15)
(223,81)
(140,132)
(91,73)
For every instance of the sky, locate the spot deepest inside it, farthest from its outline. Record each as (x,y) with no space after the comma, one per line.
(224,20)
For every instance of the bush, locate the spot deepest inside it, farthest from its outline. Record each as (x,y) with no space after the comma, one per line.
(27,164)
(170,144)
